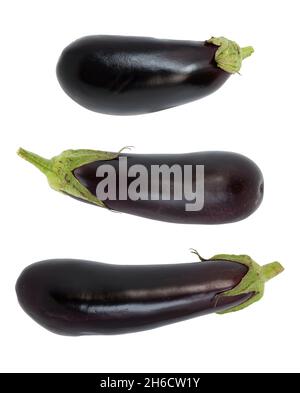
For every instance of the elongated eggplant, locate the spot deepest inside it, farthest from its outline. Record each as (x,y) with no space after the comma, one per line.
(75,297)
(219,187)
(134,75)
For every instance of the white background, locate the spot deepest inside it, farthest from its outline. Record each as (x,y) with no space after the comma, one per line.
(256,114)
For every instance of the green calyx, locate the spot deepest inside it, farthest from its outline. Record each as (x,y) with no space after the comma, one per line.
(252,282)
(229,55)
(59,170)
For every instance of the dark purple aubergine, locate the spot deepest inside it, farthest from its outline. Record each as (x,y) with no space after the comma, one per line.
(230,189)
(75,297)
(123,75)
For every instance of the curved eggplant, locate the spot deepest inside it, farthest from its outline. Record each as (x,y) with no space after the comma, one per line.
(134,75)
(75,297)
(230,189)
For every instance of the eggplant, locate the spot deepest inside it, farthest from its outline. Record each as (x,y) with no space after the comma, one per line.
(230,189)
(76,297)
(122,75)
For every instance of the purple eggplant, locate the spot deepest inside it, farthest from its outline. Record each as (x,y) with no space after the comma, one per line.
(75,297)
(230,190)
(123,75)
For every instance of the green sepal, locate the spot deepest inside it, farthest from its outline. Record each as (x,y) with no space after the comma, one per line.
(229,56)
(59,170)
(252,282)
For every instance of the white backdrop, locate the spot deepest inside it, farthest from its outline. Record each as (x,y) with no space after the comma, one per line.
(256,114)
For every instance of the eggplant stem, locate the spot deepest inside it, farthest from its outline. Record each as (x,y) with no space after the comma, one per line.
(271,270)
(229,55)
(59,170)
(253,281)
(246,52)
(43,164)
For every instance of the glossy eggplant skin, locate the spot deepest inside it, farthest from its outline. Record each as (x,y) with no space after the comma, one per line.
(134,75)
(75,297)
(233,187)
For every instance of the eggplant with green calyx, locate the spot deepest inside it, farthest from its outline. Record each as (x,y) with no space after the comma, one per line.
(197,188)
(76,297)
(123,75)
